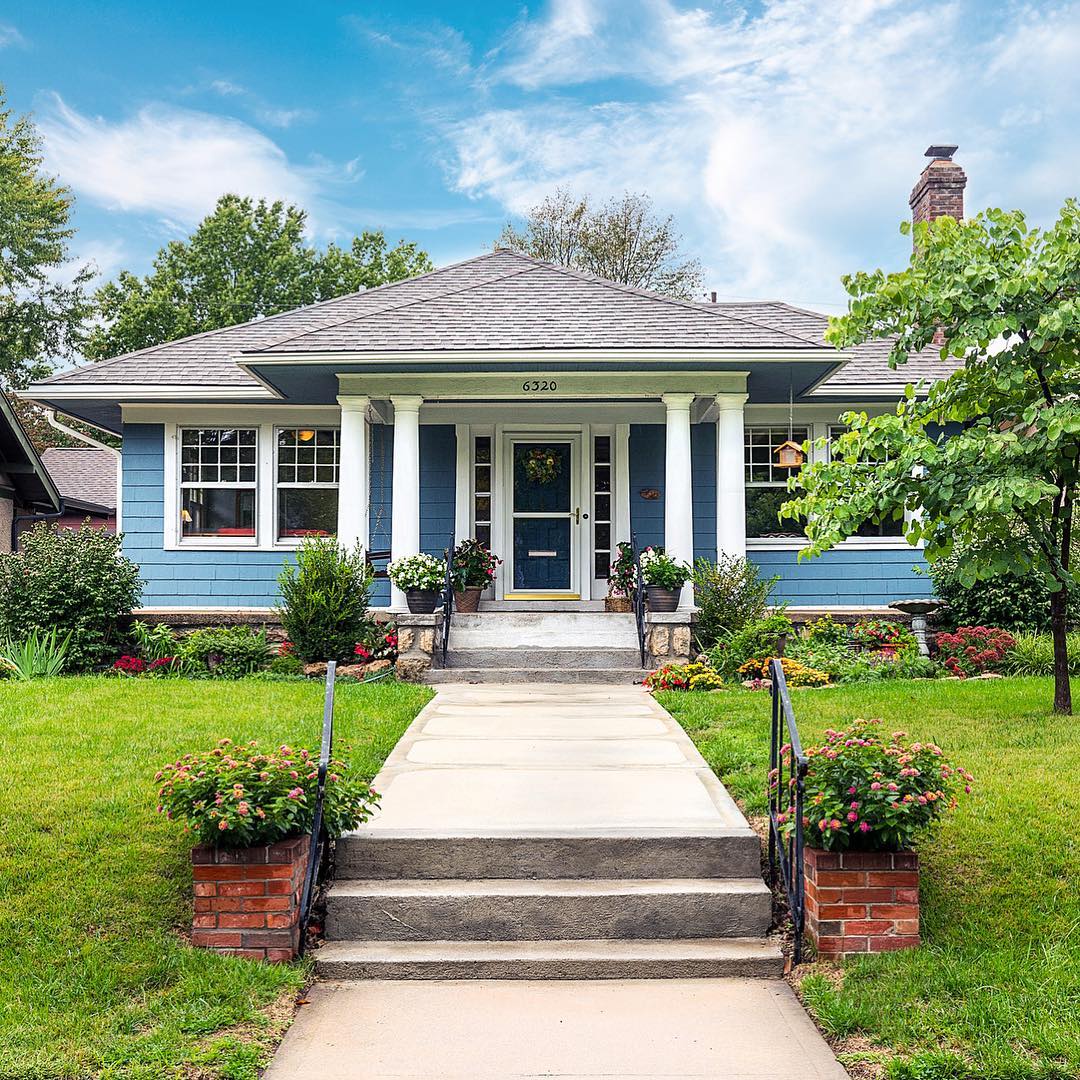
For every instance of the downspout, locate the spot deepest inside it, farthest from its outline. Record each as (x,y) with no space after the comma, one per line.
(50,415)
(48,516)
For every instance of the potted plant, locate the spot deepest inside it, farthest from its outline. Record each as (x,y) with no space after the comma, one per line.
(869,797)
(664,579)
(251,812)
(421,578)
(622,580)
(472,567)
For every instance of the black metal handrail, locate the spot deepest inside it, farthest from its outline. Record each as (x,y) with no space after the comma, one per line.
(639,600)
(447,600)
(318,836)
(787,789)
(373,557)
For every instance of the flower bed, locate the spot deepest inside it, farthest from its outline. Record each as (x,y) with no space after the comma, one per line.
(975,650)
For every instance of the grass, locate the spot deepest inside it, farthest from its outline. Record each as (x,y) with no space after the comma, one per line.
(994,993)
(96,978)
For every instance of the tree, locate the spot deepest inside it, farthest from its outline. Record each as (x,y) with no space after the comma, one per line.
(1000,483)
(622,241)
(41,313)
(245,260)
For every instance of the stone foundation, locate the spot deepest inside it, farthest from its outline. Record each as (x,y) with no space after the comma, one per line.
(418,651)
(247,900)
(861,902)
(669,637)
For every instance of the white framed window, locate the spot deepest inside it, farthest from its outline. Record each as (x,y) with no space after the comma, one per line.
(307,472)
(766,481)
(888,528)
(219,484)
(483,468)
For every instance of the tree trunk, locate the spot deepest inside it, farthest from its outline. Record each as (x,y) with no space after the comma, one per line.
(1058,626)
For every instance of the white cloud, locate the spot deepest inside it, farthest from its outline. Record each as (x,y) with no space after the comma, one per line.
(264,112)
(786,140)
(171,162)
(9,35)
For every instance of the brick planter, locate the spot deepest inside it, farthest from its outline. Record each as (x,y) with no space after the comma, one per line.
(861,902)
(247,900)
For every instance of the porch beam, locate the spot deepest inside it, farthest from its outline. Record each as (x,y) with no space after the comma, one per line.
(405,505)
(354,472)
(678,486)
(730,476)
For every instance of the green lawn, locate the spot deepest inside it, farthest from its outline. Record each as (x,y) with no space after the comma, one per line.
(997,983)
(95,978)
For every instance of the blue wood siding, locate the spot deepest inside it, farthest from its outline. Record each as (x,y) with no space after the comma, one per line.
(647,456)
(208,578)
(846,577)
(189,578)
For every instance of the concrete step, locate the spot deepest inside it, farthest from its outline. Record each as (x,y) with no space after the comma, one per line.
(542,629)
(387,856)
(685,958)
(533,658)
(547,909)
(576,675)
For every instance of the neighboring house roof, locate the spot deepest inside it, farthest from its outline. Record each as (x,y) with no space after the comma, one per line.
(85,477)
(502,300)
(867,369)
(21,467)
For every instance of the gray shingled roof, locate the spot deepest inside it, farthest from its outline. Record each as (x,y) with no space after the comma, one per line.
(85,475)
(502,300)
(867,364)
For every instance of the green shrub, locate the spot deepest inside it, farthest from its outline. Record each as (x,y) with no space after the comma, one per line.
(325,599)
(285,663)
(226,652)
(238,796)
(1033,654)
(825,631)
(74,581)
(154,643)
(729,593)
(755,639)
(1016,602)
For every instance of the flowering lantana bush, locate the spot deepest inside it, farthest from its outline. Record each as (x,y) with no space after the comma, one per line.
(684,677)
(869,793)
(795,673)
(975,649)
(239,796)
(877,634)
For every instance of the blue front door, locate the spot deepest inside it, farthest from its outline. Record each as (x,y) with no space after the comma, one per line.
(543,515)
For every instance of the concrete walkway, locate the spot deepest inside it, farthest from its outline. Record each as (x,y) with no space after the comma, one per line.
(566,799)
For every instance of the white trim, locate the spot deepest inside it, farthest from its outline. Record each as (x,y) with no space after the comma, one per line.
(674,355)
(463,487)
(153,391)
(621,484)
(872,543)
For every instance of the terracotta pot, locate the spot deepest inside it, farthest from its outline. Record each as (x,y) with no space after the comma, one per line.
(661,599)
(468,599)
(618,603)
(422,601)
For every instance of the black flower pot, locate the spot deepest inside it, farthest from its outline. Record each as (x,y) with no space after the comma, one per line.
(422,601)
(661,599)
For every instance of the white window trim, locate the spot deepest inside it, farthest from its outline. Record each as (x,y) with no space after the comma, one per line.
(293,542)
(265,538)
(819,430)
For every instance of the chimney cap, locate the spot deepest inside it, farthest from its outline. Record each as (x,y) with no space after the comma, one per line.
(941,151)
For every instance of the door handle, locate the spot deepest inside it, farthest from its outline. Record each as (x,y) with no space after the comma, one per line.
(577,515)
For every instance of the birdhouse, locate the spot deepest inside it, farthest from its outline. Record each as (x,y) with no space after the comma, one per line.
(789,455)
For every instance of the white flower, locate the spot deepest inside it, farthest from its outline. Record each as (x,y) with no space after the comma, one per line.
(418,572)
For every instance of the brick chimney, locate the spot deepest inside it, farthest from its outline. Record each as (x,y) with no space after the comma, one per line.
(940,188)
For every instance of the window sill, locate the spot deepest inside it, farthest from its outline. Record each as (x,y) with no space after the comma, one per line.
(789,543)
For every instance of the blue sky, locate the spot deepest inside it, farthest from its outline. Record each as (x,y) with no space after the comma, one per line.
(784,136)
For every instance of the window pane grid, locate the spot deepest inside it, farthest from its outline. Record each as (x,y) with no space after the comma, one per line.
(760,445)
(601,499)
(482,500)
(218,457)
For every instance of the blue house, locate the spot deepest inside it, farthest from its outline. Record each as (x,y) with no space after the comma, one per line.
(406,415)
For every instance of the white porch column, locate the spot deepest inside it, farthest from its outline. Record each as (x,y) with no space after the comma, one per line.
(730,476)
(354,472)
(405,514)
(678,487)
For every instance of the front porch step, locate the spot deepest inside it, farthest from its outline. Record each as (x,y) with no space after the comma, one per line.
(379,857)
(623,676)
(686,958)
(543,658)
(543,630)
(543,910)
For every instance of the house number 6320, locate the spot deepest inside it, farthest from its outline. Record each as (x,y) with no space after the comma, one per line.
(533,386)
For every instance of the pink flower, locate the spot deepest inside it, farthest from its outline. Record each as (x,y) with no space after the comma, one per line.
(893,787)
(223,824)
(875,786)
(852,816)
(853,791)
(242,809)
(296,793)
(863,827)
